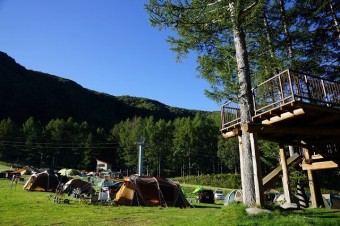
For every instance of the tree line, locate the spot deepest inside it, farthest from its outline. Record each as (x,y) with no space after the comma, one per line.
(180,147)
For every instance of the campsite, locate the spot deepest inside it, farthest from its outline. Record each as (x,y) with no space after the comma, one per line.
(100,125)
(23,207)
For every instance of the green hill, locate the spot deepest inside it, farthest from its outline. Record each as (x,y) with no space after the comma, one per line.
(26,93)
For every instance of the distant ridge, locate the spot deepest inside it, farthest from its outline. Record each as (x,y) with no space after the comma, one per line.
(26,93)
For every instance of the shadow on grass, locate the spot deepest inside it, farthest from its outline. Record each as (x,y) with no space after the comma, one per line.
(207,206)
(309,212)
(333,214)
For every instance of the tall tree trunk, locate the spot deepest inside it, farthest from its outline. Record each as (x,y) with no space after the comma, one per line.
(286,30)
(268,35)
(269,40)
(246,109)
(335,19)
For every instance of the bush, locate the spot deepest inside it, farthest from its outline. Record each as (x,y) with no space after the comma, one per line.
(216,180)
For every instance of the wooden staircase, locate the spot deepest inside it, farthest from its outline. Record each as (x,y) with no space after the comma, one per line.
(273,176)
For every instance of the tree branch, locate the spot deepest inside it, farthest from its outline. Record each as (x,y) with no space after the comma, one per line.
(251,6)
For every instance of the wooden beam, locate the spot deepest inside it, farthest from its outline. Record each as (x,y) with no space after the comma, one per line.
(259,192)
(284,116)
(306,131)
(285,177)
(240,147)
(283,141)
(320,165)
(233,133)
(326,156)
(313,186)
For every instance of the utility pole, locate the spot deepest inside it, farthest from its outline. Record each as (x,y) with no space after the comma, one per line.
(140,156)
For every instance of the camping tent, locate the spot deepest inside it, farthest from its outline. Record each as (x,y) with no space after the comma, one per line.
(42,182)
(233,196)
(27,170)
(331,201)
(150,191)
(82,186)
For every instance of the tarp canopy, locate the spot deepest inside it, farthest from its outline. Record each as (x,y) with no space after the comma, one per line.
(91,173)
(198,188)
(108,182)
(105,183)
(150,191)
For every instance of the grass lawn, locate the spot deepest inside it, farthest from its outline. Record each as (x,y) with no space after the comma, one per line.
(19,207)
(4,166)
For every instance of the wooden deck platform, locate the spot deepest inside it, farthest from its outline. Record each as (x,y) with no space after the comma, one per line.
(293,109)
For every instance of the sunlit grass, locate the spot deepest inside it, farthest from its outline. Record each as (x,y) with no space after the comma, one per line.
(19,207)
(4,166)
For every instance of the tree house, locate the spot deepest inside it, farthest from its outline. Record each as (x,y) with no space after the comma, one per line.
(294,109)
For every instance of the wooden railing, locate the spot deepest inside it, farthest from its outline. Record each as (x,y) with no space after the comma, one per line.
(286,87)
(230,114)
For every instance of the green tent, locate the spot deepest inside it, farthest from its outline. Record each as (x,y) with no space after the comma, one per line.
(197,189)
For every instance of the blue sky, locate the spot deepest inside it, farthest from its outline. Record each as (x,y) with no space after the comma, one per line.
(108,46)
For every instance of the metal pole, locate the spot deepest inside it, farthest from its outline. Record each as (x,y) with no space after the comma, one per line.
(291,150)
(140,158)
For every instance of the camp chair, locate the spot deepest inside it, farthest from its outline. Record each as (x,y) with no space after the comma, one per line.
(104,196)
(58,193)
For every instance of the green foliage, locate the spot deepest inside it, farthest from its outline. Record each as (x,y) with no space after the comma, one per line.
(183,147)
(9,133)
(329,181)
(302,35)
(269,155)
(228,152)
(208,29)
(216,180)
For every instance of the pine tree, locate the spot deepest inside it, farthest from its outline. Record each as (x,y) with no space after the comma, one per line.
(204,26)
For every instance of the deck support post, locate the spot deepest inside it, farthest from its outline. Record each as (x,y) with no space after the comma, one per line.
(315,192)
(241,163)
(285,177)
(259,193)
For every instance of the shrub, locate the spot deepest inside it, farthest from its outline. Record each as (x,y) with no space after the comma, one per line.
(216,180)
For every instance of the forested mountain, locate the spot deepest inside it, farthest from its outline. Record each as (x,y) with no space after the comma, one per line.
(26,93)
(49,121)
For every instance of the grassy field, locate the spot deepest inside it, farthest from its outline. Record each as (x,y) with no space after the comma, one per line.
(4,166)
(19,207)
